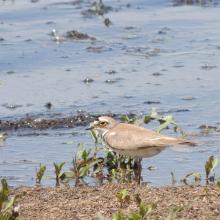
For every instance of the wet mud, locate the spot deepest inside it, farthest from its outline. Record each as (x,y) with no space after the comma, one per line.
(41,123)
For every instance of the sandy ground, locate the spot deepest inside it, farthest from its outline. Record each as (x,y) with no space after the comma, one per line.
(86,202)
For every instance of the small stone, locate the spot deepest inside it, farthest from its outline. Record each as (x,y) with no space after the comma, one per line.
(88,80)
(107,22)
(48,105)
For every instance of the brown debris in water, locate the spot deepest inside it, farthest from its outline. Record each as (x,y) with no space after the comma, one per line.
(45,123)
(195,2)
(42,123)
(76,35)
(86,202)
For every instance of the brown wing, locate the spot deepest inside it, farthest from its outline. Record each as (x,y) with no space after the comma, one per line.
(130,137)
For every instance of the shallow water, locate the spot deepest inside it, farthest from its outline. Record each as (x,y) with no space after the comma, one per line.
(152,52)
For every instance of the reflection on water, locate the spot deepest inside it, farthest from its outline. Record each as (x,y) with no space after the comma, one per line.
(153,55)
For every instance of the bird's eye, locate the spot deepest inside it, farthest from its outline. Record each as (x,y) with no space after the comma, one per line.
(103,123)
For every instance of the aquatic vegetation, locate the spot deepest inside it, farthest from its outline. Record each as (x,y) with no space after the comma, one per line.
(58,168)
(83,165)
(8,210)
(129,119)
(197,177)
(164,121)
(121,169)
(210,165)
(40,173)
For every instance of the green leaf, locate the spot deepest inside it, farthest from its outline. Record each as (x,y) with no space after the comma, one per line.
(6,202)
(218,183)
(85,154)
(145,209)
(67,175)
(125,118)
(80,149)
(5,189)
(82,152)
(210,165)
(148,119)
(58,167)
(165,122)
(40,173)
(134,216)
(196,175)
(9,204)
(4,192)
(118,216)
(84,170)
(94,135)
(122,194)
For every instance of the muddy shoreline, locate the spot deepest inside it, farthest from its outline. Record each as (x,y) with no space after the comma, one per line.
(193,202)
(41,123)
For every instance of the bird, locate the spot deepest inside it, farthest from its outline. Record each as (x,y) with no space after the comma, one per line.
(132,140)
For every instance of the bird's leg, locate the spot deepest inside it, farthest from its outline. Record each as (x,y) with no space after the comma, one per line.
(138,170)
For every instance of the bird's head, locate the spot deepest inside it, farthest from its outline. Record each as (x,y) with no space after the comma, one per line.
(103,124)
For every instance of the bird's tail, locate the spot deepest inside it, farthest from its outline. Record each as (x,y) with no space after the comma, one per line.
(186,142)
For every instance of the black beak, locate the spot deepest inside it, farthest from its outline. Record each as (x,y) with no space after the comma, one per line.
(90,128)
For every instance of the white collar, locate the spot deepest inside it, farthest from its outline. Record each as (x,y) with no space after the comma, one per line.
(104,133)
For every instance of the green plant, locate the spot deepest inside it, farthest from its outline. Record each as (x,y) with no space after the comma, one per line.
(165,122)
(83,164)
(8,211)
(123,197)
(95,136)
(127,119)
(218,183)
(144,209)
(118,215)
(210,165)
(196,178)
(40,173)
(58,169)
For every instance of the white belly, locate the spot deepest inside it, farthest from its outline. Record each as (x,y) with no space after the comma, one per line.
(143,152)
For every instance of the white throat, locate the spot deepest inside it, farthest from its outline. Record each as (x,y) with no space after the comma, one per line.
(104,133)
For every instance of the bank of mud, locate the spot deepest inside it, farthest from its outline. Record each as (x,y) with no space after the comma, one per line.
(52,122)
(197,202)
